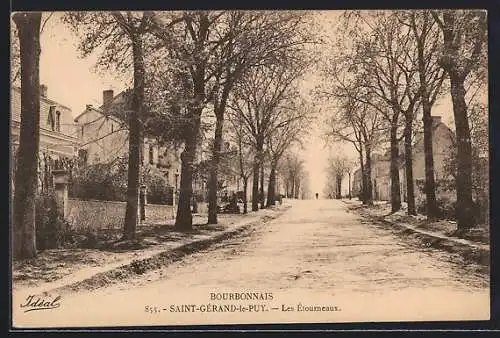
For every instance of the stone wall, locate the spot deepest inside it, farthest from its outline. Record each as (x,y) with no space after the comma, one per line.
(94,214)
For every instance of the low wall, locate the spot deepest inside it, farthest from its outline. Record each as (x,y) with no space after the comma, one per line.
(94,214)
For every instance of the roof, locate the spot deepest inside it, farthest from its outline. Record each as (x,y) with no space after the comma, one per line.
(45,99)
(419,137)
(117,110)
(97,110)
(65,126)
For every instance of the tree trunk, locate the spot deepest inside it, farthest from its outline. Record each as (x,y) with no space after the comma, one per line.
(410,189)
(214,168)
(135,138)
(184,219)
(26,176)
(261,190)
(430,184)
(362,192)
(256,169)
(255,185)
(368,168)
(220,109)
(297,188)
(395,185)
(338,185)
(245,192)
(464,206)
(350,186)
(271,187)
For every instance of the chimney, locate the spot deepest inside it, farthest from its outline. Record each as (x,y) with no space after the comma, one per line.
(436,120)
(107,99)
(43,90)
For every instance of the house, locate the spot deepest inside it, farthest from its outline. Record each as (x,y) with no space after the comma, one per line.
(58,139)
(103,132)
(57,132)
(443,139)
(357,182)
(380,164)
(381,187)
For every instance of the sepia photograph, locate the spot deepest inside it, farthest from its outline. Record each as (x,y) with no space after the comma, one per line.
(225,167)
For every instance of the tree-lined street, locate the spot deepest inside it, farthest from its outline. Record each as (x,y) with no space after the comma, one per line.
(333,159)
(328,252)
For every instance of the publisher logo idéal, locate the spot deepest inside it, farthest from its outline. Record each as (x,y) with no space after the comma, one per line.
(37,302)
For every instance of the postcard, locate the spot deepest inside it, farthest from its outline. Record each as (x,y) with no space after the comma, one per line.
(184,167)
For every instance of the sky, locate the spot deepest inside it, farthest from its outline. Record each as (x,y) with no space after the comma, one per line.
(72,82)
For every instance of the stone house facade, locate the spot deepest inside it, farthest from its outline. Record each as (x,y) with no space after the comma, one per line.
(443,138)
(380,178)
(58,138)
(103,132)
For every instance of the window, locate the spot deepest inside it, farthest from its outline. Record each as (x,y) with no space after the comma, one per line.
(58,120)
(112,127)
(51,118)
(151,154)
(82,131)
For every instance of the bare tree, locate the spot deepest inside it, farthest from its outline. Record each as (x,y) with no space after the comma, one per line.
(24,244)
(244,155)
(286,133)
(293,168)
(426,42)
(230,65)
(352,119)
(464,36)
(337,169)
(304,191)
(190,46)
(121,37)
(384,60)
(249,39)
(261,103)
(218,47)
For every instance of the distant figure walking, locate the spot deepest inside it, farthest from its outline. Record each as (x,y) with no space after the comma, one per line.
(316,195)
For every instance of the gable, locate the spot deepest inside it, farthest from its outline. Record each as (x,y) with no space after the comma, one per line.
(49,110)
(442,137)
(92,113)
